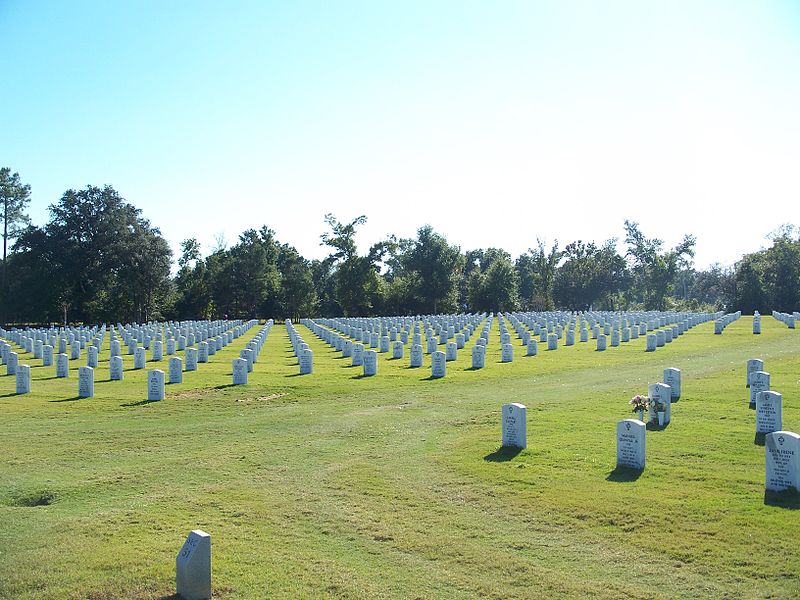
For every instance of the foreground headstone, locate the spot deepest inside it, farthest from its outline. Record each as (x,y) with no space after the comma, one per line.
(23,379)
(631,444)
(660,401)
(193,567)
(239,371)
(155,384)
(514,425)
(357,356)
(398,349)
(139,358)
(12,362)
(415,358)
(438,364)
(47,355)
(86,382)
(652,342)
(91,357)
(783,462)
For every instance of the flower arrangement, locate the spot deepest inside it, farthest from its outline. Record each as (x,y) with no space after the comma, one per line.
(639,403)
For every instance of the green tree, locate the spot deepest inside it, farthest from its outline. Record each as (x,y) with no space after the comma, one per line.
(654,269)
(536,271)
(494,285)
(14,199)
(434,267)
(589,276)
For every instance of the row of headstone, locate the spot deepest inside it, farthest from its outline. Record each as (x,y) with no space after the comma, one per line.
(786,318)
(241,367)
(722,322)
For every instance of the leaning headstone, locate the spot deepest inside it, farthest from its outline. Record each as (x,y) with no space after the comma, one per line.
(306,361)
(438,364)
(239,371)
(115,368)
(415,356)
(370,363)
(23,379)
(769,412)
(631,444)
(672,377)
(514,425)
(478,356)
(85,382)
(155,384)
(175,370)
(759,382)
(783,461)
(753,365)
(62,365)
(193,567)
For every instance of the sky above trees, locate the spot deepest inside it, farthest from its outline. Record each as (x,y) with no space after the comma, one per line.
(496,123)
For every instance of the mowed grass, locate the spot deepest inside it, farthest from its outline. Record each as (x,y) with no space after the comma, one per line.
(335,485)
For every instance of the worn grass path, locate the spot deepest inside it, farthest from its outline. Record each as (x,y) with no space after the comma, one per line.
(332,485)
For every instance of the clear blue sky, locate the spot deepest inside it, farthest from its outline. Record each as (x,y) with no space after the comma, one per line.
(496,122)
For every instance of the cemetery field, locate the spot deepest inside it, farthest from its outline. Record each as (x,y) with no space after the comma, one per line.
(394,486)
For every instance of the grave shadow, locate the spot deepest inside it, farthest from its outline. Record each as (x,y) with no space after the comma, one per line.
(12,394)
(297,374)
(73,399)
(226,385)
(362,376)
(622,474)
(654,426)
(503,454)
(788,499)
(139,403)
(760,439)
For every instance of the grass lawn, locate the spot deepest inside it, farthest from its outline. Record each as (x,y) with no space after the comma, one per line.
(334,485)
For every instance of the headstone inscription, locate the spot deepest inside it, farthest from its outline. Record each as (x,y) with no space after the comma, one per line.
(193,567)
(631,444)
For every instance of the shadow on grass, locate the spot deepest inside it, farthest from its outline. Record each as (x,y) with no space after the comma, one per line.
(226,385)
(297,374)
(760,439)
(789,499)
(503,454)
(624,474)
(73,399)
(654,426)
(13,394)
(139,403)
(362,376)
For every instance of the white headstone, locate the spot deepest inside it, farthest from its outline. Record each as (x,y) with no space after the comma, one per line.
(552,341)
(47,355)
(451,351)
(239,371)
(175,370)
(202,352)
(190,354)
(672,377)
(532,347)
(23,379)
(507,353)
(357,355)
(85,382)
(370,363)
(783,462)
(139,358)
(652,342)
(415,356)
(631,443)
(306,361)
(193,567)
(438,364)
(478,356)
(769,412)
(155,384)
(62,365)
(398,349)
(158,350)
(660,395)
(601,342)
(514,425)
(759,382)
(170,347)
(753,365)
(115,368)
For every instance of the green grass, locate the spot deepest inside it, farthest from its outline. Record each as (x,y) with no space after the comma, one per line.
(331,485)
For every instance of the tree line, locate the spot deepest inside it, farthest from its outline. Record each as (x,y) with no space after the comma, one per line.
(98,259)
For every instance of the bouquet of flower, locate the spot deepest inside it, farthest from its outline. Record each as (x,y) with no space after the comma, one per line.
(639,403)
